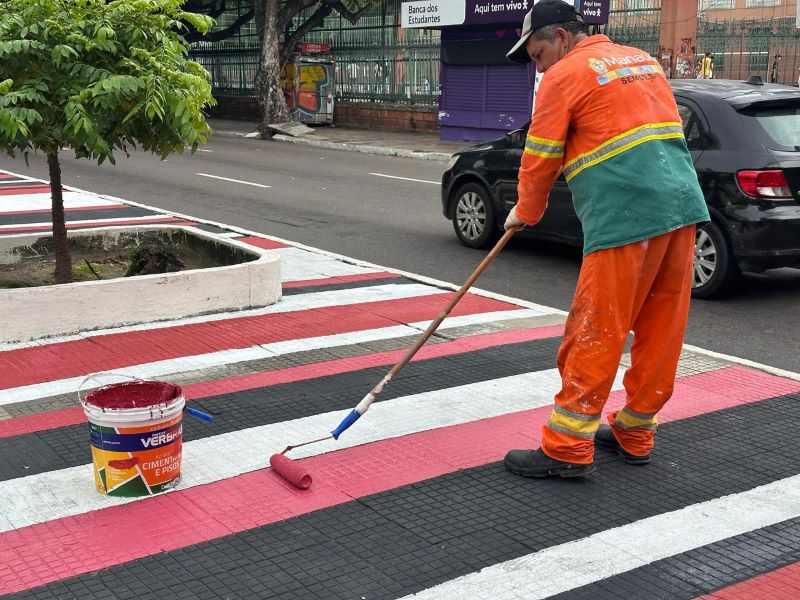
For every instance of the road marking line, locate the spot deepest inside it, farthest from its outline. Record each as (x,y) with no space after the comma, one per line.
(406,178)
(625,548)
(233,180)
(210,360)
(25,501)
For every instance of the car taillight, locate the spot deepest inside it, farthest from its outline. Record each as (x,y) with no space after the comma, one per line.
(770,185)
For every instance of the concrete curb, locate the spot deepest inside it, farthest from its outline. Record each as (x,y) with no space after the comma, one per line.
(365,148)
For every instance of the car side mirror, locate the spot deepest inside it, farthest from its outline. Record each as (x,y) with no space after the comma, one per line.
(517,138)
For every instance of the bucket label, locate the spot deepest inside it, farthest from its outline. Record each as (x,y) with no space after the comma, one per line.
(137,461)
(107,438)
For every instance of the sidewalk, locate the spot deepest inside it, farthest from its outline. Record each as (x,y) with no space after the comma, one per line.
(421,145)
(413,498)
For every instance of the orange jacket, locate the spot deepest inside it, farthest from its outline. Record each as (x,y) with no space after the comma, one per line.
(605,114)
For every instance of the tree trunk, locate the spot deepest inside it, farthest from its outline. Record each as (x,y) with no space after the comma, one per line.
(63,272)
(267,82)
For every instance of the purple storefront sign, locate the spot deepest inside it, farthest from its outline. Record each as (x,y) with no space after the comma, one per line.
(489,12)
(595,12)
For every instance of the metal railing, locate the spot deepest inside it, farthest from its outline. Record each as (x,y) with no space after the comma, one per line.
(748,47)
(376,60)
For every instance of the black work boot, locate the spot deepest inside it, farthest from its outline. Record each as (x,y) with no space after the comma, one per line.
(605,439)
(535,463)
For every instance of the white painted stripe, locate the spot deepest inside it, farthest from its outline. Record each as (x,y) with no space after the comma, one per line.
(377,293)
(20,202)
(55,494)
(204,150)
(628,547)
(406,178)
(299,265)
(234,180)
(85,222)
(227,357)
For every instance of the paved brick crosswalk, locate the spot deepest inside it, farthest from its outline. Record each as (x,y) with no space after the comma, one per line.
(413,499)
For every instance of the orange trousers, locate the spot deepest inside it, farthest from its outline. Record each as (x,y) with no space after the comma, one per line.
(644,287)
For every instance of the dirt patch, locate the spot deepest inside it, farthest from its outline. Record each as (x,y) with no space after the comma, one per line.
(114,255)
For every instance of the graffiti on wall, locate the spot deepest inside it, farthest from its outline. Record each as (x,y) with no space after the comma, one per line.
(306,88)
(684,61)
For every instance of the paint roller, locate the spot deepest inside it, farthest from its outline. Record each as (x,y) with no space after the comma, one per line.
(298,475)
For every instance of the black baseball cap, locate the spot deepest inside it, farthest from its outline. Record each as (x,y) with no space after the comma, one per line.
(543,13)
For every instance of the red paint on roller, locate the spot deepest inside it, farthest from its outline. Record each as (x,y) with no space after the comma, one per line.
(290,471)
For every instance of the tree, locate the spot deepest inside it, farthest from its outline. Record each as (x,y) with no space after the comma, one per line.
(95,77)
(274,20)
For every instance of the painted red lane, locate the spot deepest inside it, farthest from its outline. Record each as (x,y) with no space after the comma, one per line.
(260,242)
(781,584)
(73,416)
(24,188)
(67,210)
(26,366)
(340,279)
(40,554)
(84,225)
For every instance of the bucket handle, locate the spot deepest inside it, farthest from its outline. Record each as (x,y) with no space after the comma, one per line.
(95,376)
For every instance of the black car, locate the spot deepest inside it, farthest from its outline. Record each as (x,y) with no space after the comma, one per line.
(744,138)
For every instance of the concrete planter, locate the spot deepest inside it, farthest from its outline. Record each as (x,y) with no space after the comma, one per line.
(32,313)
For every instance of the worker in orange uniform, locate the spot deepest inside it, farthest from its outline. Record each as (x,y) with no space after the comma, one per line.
(605,116)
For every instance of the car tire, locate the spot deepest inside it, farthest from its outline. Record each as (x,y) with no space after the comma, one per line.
(474,218)
(715,269)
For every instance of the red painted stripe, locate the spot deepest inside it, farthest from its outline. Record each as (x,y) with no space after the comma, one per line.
(25,366)
(69,210)
(73,416)
(340,279)
(34,555)
(781,584)
(84,225)
(24,188)
(260,242)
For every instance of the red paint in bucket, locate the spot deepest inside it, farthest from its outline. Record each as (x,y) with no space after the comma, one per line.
(133,394)
(136,436)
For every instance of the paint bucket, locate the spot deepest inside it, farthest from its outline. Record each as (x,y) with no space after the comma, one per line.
(136,436)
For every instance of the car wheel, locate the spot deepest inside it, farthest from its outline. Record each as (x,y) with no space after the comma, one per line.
(473,216)
(714,266)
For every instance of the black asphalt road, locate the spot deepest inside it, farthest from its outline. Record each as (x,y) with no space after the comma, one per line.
(333,199)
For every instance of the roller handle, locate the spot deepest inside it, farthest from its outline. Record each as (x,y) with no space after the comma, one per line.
(199,414)
(351,418)
(364,405)
(446,311)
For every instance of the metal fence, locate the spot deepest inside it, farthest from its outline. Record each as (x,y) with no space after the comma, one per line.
(635,23)
(747,47)
(376,60)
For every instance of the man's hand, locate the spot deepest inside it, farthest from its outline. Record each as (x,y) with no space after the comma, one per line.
(512,222)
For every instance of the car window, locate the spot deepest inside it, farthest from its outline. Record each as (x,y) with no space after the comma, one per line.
(781,123)
(692,128)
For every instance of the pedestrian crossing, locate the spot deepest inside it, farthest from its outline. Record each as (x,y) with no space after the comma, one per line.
(413,500)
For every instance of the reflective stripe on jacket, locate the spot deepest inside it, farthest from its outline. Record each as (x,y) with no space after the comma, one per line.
(606,116)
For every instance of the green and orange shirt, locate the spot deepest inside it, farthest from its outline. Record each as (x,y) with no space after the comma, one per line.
(606,116)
